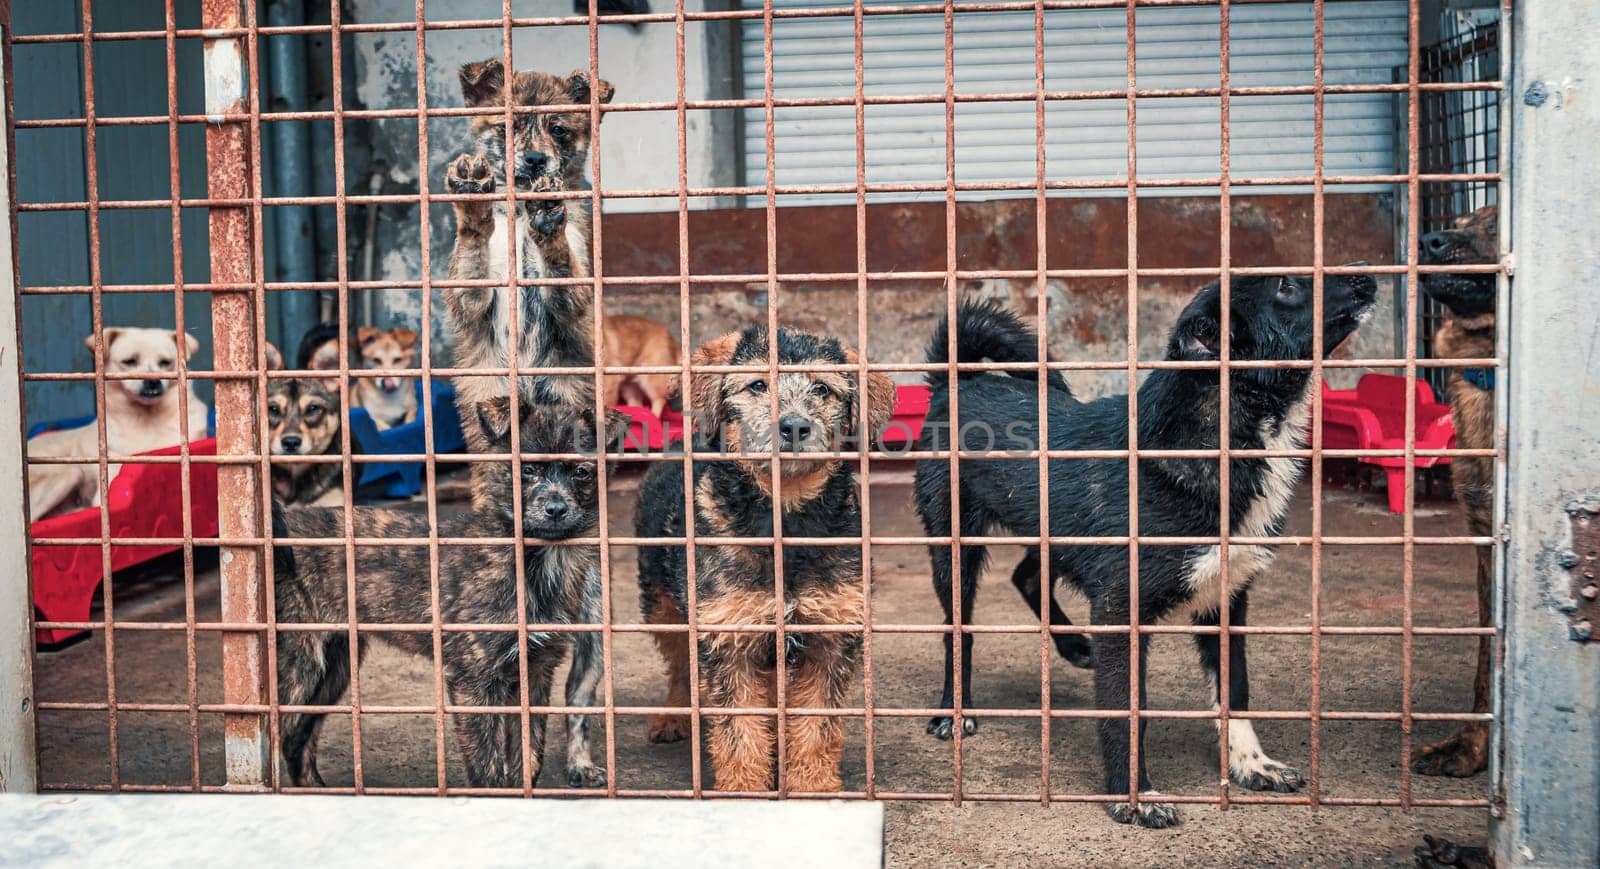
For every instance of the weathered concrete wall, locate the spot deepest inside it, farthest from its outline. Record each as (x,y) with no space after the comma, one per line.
(1088,315)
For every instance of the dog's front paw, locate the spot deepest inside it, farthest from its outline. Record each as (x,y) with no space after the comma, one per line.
(668,728)
(1269,775)
(944,727)
(1154,816)
(1464,754)
(586,776)
(470,173)
(548,217)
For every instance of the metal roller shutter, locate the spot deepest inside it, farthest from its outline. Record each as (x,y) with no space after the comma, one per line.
(1085,49)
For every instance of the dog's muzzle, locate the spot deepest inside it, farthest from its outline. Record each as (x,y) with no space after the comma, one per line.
(152,389)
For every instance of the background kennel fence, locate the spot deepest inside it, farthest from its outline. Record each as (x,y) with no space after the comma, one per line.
(1546,456)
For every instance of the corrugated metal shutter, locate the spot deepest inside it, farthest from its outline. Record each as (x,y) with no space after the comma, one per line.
(1085,49)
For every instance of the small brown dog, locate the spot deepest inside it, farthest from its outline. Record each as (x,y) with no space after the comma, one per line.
(390,400)
(141,415)
(818,416)
(638,341)
(477,585)
(1468,332)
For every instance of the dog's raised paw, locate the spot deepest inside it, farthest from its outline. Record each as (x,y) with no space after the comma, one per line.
(470,173)
(590,776)
(1075,648)
(1154,816)
(1270,776)
(548,217)
(943,727)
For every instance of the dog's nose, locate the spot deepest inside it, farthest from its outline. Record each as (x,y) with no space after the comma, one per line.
(794,430)
(152,387)
(290,443)
(531,164)
(1435,243)
(555,508)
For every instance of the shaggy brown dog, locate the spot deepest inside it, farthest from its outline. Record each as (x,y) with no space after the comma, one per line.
(818,414)
(1468,332)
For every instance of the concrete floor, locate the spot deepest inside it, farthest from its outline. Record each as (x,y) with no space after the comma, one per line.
(1360,586)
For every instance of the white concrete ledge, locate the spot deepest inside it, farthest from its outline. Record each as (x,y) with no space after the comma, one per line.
(133,830)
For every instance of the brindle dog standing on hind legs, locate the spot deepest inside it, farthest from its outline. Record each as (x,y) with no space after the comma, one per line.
(1468,332)
(545,238)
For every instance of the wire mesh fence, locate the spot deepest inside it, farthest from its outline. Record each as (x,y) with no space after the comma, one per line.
(543,162)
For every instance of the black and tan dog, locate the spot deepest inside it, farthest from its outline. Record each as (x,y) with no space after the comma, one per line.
(1178,409)
(548,153)
(1468,332)
(818,414)
(303,418)
(477,584)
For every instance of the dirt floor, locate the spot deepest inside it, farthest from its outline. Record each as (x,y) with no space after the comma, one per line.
(1360,586)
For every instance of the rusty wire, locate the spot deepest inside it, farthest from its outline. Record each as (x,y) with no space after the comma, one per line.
(248,623)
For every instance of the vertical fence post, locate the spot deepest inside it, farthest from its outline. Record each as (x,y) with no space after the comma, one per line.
(1548,788)
(234,348)
(17,771)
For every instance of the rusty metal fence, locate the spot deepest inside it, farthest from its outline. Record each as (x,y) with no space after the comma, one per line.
(248,626)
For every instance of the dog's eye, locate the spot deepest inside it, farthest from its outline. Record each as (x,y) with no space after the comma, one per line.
(131,361)
(529,472)
(561,134)
(313,411)
(821,390)
(756,387)
(273,413)
(582,472)
(1288,290)
(165,363)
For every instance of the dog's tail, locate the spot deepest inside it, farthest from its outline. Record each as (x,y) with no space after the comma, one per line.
(987,332)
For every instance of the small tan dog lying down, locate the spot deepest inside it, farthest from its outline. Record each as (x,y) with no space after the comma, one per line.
(141,415)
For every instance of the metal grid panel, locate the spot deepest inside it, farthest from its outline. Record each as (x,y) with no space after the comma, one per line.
(248,625)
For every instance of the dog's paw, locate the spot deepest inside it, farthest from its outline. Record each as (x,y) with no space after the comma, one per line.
(470,173)
(548,217)
(589,776)
(943,727)
(669,728)
(1462,755)
(1075,648)
(1154,816)
(1268,775)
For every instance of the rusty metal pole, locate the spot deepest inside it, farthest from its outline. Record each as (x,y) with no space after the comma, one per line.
(234,348)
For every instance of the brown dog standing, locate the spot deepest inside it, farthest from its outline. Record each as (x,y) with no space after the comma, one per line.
(1468,332)
(637,341)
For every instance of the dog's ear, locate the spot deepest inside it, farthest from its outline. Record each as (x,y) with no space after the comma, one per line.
(407,338)
(108,335)
(578,86)
(880,396)
(483,82)
(494,415)
(705,388)
(1198,335)
(274,357)
(189,344)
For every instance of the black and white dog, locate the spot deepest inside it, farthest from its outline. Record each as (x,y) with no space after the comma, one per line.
(1271,318)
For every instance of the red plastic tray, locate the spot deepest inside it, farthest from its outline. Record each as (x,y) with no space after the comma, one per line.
(144,501)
